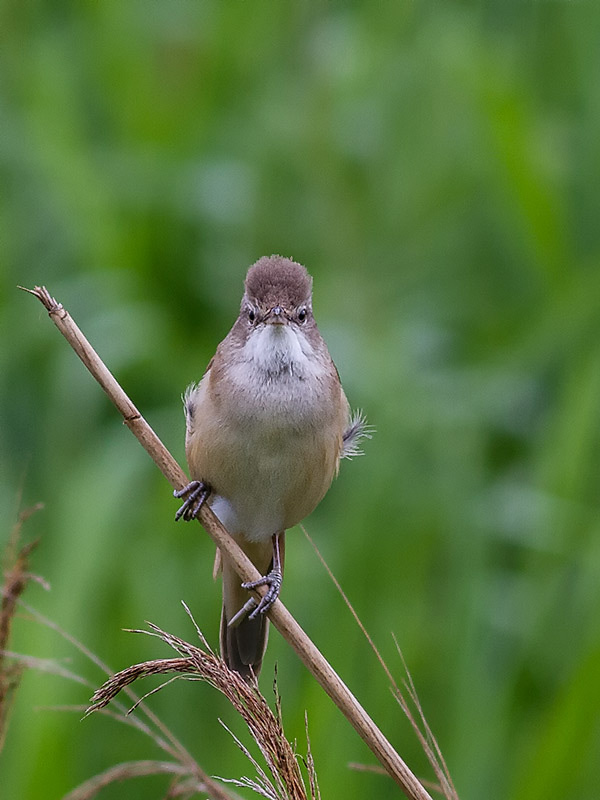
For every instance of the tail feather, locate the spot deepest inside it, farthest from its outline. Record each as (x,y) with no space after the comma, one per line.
(243,646)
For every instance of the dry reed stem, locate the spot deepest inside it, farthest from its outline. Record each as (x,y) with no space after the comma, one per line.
(279,615)
(16,579)
(126,771)
(265,726)
(183,763)
(424,734)
(163,737)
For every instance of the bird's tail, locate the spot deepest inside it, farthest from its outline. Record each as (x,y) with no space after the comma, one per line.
(243,645)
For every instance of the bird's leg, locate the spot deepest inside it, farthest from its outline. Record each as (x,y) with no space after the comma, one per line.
(273,579)
(195,495)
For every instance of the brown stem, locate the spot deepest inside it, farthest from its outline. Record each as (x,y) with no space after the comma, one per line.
(279,615)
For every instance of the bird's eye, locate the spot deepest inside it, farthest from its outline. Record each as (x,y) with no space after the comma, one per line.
(251,314)
(302,315)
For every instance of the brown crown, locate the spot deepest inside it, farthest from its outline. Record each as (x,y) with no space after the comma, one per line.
(276,280)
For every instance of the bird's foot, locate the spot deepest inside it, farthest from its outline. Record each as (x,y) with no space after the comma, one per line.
(273,580)
(195,494)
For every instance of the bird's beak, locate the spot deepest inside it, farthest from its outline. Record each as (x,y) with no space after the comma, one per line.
(276,316)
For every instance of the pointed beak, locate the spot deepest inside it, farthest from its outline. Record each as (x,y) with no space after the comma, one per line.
(276,316)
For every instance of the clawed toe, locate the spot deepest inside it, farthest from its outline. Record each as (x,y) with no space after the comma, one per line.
(252,607)
(195,495)
(273,580)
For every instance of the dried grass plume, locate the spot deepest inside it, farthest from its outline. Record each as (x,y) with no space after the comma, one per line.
(285,781)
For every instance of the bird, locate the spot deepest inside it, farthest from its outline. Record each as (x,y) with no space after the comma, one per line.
(266,428)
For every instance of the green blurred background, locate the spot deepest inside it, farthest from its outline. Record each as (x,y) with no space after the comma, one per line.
(436,166)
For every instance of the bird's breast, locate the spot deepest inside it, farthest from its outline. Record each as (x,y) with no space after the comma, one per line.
(269,449)
(266,430)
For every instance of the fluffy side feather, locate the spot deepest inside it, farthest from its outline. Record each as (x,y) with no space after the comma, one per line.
(357,430)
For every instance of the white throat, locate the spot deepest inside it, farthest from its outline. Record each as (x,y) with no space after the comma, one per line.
(279,350)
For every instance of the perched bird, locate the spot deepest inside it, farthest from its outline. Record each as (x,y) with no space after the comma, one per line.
(266,428)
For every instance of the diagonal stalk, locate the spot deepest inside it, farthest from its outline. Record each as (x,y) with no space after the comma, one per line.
(281,618)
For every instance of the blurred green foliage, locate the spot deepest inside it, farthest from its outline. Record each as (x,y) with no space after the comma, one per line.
(436,166)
